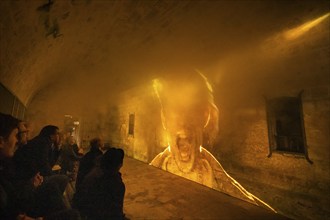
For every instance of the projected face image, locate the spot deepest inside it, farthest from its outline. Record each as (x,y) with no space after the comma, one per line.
(187,113)
(184,131)
(185,145)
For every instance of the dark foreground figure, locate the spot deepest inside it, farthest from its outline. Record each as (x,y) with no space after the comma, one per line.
(101,195)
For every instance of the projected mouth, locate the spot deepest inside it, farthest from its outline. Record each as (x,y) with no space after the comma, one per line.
(184,148)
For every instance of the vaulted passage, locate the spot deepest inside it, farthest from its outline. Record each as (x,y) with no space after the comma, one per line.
(231,98)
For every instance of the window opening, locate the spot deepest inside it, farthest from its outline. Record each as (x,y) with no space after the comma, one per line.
(131,121)
(285,126)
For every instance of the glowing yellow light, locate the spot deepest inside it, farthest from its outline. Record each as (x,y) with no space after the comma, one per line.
(158,160)
(237,185)
(206,81)
(208,119)
(298,31)
(157,86)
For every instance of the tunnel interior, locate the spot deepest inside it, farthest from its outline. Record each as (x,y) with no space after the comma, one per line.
(233,95)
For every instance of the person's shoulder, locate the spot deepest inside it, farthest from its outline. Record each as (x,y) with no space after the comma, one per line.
(88,154)
(21,150)
(93,177)
(206,154)
(159,159)
(214,163)
(98,152)
(95,173)
(38,141)
(111,180)
(65,148)
(25,152)
(87,157)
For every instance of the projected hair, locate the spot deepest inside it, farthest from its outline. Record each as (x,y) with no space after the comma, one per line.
(211,127)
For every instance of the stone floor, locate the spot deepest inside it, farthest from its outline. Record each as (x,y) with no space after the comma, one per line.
(152,193)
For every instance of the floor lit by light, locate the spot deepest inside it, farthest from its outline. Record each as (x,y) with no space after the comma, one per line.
(152,193)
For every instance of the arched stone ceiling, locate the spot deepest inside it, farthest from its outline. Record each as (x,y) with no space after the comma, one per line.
(92,47)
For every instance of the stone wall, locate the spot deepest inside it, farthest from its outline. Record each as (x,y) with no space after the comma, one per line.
(289,183)
(147,141)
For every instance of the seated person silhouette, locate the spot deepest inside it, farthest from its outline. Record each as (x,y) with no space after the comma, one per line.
(101,195)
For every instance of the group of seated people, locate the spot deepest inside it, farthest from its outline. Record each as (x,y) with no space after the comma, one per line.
(30,189)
